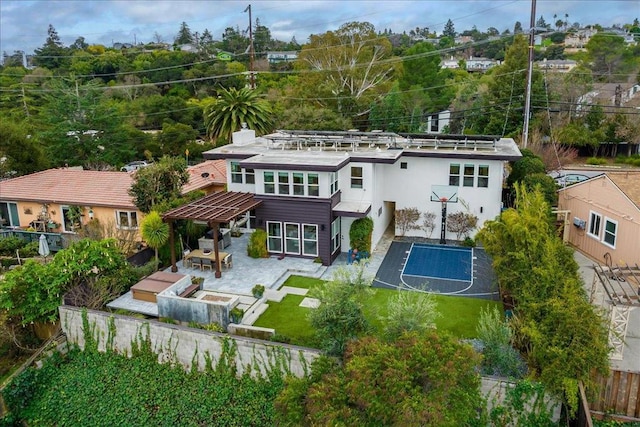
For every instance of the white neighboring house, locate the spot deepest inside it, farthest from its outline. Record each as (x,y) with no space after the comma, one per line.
(314,184)
(277,57)
(437,123)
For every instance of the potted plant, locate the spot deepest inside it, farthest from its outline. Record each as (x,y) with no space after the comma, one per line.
(258,291)
(235,315)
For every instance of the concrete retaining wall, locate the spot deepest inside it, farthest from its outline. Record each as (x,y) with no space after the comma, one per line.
(178,343)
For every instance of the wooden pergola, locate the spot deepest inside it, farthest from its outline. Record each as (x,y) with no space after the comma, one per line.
(213,209)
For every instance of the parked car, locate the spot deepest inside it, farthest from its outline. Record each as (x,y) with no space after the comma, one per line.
(566,179)
(134,166)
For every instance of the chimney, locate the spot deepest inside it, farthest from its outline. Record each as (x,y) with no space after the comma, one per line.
(244,136)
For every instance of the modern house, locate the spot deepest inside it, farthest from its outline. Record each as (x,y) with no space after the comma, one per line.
(313,185)
(605,216)
(438,122)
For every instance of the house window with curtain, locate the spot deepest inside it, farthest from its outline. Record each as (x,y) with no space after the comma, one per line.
(454,174)
(269,183)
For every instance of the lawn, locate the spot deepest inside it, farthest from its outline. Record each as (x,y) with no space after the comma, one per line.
(459,315)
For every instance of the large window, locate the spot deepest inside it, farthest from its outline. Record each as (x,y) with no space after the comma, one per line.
(610,232)
(127,219)
(356,177)
(236,173)
(454,174)
(269,183)
(469,172)
(274,236)
(335,235)
(292,238)
(595,220)
(313,185)
(298,184)
(483,176)
(333,183)
(310,239)
(9,214)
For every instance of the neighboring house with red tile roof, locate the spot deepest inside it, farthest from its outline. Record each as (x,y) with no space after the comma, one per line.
(45,199)
(605,216)
(209,176)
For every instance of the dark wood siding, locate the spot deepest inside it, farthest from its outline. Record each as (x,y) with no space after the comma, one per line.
(301,211)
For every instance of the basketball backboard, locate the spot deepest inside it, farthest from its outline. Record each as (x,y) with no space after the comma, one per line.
(444,193)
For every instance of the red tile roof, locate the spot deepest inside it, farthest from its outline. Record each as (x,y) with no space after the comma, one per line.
(217,170)
(71,186)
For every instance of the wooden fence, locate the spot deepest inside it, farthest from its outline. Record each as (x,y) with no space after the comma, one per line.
(619,396)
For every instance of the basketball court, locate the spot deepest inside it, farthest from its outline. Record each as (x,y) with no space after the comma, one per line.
(442,269)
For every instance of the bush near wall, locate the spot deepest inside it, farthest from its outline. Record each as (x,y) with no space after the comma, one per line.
(360,234)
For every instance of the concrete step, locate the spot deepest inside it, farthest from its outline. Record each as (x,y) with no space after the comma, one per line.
(254,313)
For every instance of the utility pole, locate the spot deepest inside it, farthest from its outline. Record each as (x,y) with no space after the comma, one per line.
(527,104)
(252,79)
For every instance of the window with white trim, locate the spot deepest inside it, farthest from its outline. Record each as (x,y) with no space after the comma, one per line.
(283,182)
(595,220)
(127,219)
(274,236)
(357,180)
(333,183)
(469,172)
(483,176)
(310,239)
(298,184)
(291,238)
(610,232)
(313,185)
(454,174)
(250,176)
(269,183)
(335,235)
(236,173)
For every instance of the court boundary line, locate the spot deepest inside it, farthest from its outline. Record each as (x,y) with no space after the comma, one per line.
(408,286)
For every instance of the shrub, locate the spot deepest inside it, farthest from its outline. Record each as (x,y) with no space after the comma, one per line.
(257,246)
(257,291)
(360,234)
(469,242)
(8,245)
(500,358)
(409,312)
(235,315)
(596,161)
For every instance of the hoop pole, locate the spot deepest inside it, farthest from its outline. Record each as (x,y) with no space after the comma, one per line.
(443,228)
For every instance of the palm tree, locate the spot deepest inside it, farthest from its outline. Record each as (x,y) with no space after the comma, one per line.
(234,107)
(154,231)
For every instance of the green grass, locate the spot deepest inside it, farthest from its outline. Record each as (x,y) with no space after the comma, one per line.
(459,315)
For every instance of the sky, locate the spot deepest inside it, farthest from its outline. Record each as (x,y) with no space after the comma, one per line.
(24,23)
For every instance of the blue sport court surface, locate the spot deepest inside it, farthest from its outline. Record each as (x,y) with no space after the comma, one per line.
(443,269)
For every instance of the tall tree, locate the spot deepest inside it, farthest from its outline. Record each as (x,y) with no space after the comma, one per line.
(232,108)
(449,29)
(52,54)
(184,35)
(606,56)
(348,68)
(159,182)
(19,153)
(517,28)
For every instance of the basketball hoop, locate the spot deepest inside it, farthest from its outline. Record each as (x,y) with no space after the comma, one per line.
(444,199)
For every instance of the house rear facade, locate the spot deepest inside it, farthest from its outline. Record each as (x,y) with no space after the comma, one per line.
(605,216)
(314,185)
